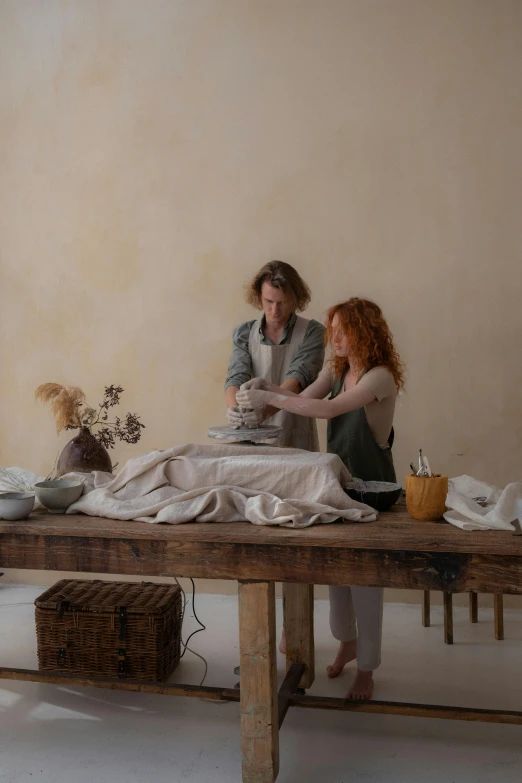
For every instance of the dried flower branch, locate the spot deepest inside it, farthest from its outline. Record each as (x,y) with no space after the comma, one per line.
(70,410)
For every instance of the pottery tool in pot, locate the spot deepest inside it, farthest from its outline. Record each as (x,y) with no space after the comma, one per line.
(424,466)
(425,492)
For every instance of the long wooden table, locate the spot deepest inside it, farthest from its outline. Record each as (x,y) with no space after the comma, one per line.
(395,551)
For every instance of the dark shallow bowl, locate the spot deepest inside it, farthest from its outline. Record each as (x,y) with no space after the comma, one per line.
(380,495)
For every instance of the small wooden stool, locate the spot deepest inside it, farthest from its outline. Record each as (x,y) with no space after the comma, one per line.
(498,609)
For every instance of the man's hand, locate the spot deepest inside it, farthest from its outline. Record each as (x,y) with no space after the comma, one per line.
(234,417)
(255,398)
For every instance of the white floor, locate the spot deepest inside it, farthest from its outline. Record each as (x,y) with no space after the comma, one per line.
(53,734)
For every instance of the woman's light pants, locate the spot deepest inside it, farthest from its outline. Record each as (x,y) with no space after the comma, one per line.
(365,604)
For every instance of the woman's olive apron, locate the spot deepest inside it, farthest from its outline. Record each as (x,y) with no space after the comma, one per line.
(350,437)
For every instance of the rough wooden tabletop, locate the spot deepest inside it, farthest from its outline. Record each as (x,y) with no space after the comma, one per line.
(393,530)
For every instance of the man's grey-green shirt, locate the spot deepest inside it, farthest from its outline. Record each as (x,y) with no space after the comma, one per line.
(305,365)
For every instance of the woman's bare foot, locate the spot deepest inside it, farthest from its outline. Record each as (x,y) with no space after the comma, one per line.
(282,643)
(347,652)
(362,686)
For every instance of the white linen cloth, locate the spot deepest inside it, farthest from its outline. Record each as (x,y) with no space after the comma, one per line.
(501,507)
(223,483)
(18,480)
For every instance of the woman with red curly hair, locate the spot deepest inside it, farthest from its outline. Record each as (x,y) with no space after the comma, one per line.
(362,380)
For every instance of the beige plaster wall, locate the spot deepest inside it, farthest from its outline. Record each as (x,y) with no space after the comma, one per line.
(154,155)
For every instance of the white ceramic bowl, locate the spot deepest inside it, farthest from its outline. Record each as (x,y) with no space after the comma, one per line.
(16,505)
(57,495)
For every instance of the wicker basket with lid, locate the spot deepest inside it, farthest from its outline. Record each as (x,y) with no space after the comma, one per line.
(109,629)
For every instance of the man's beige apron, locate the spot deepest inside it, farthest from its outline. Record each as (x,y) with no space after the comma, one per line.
(272,362)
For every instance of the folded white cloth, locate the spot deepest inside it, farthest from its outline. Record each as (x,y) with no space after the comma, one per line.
(222,483)
(475,505)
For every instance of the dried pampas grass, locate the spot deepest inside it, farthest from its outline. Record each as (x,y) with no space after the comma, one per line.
(65,403)
(71,412)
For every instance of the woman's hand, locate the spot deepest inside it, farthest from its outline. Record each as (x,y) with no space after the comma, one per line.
(254,398)
(253,418)
(257,383)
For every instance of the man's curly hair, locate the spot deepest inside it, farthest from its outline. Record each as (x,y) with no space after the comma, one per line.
(282,276)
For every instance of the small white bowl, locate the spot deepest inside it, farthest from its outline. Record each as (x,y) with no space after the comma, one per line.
(57,495)
(16,505)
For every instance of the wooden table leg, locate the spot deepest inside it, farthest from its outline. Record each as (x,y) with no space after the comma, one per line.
(448,618)
(473,608)
(426,608)
(258,692)
(298,612)
(498,611)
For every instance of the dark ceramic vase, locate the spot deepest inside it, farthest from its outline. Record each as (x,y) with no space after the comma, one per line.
(82,455)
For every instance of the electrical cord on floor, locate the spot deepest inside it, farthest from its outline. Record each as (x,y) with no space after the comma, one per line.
(206,667)
(198,630)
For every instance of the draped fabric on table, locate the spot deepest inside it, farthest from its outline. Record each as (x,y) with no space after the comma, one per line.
(224,483)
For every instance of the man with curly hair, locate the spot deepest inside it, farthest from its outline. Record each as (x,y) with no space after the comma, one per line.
(282,347)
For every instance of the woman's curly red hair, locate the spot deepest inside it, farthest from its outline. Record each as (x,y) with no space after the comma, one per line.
(369,338)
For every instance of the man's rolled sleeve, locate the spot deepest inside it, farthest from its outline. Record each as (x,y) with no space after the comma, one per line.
(309,359)
(240,366)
